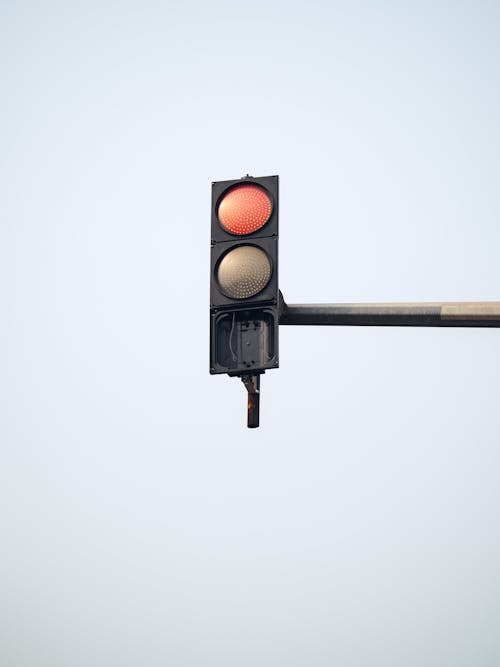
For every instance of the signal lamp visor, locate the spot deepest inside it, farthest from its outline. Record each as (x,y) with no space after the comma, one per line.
(243,272)
(244,209)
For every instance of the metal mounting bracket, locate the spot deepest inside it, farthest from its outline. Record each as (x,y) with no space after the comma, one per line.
(252,385)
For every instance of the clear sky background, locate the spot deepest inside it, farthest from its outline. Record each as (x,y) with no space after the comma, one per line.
(141,522)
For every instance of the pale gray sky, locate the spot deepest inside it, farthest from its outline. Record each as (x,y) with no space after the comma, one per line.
(142,524)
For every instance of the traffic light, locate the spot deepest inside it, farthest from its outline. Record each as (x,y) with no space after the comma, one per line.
(244,277)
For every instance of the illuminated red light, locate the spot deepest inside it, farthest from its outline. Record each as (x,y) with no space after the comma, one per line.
(245,209)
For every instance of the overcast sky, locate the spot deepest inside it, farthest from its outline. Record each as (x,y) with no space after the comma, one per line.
(141,523)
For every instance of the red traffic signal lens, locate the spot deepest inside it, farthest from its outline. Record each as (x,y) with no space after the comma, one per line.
(243,272)
(244,209)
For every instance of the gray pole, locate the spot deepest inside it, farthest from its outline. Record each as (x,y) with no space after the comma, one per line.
(453,314)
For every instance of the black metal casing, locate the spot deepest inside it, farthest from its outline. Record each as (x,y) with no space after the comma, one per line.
(244,332)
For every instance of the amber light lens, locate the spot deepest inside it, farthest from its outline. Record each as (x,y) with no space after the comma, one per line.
(244,272)
(245,209)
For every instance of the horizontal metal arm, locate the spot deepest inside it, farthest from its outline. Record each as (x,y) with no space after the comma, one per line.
(454,314)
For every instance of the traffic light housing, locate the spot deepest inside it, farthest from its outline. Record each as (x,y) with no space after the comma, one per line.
(244,276)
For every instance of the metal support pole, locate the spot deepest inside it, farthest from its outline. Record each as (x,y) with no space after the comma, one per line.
(252,384)
(454,314)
